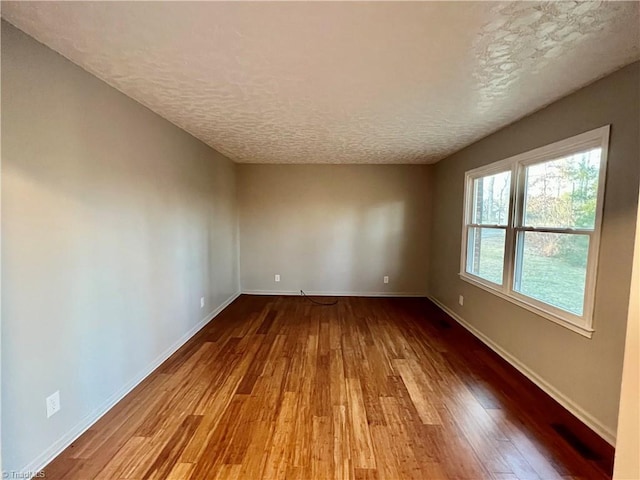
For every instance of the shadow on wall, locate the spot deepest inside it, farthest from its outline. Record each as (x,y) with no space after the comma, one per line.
(116,258)
(358,242)
(383,229)
(334,228)
(114,224)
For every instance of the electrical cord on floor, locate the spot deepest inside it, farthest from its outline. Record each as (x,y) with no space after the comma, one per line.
(335,302)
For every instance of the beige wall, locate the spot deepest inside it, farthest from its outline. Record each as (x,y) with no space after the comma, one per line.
(334,228)
(585,373)
(1,464)
(114,224)
(627,466)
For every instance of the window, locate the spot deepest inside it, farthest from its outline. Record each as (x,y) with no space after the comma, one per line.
(532,228)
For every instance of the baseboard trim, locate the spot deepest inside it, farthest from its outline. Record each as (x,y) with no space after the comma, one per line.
(54,450)
(607,434)
(334,294)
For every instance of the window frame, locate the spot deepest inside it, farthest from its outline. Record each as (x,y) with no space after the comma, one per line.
(517,165)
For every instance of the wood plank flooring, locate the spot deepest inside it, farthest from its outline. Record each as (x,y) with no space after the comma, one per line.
(371,388)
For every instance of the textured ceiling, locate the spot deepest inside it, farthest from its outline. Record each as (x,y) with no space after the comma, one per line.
(339,82)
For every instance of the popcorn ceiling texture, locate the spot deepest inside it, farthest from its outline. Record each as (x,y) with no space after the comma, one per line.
(314,82)
(526,38)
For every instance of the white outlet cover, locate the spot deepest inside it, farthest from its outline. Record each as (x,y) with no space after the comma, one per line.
(385,279)
(277,277)
(53,403)
(201,302)
(461,300)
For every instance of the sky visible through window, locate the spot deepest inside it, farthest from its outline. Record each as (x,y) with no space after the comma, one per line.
(560,193)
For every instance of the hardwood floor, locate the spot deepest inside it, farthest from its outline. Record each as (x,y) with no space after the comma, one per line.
(371,388)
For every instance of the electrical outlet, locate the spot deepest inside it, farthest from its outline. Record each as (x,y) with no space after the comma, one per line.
(385,279)
(53,403)
(277,277)
(461,300)
(201,302)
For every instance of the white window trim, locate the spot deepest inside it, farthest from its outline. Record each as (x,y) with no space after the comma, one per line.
(516,165)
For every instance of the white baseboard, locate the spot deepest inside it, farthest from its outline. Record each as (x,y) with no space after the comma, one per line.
(334,294)
(54,450)
(579,412)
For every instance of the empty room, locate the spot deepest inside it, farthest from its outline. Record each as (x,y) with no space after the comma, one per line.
(320,240)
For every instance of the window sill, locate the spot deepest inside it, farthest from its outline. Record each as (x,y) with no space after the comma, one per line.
(584,331)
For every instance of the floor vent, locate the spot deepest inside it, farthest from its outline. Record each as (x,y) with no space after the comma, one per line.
(442,323)
(577,444)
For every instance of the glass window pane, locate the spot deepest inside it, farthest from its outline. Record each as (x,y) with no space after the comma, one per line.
(485,253)
(552,268)
(491,199)
(563,193)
